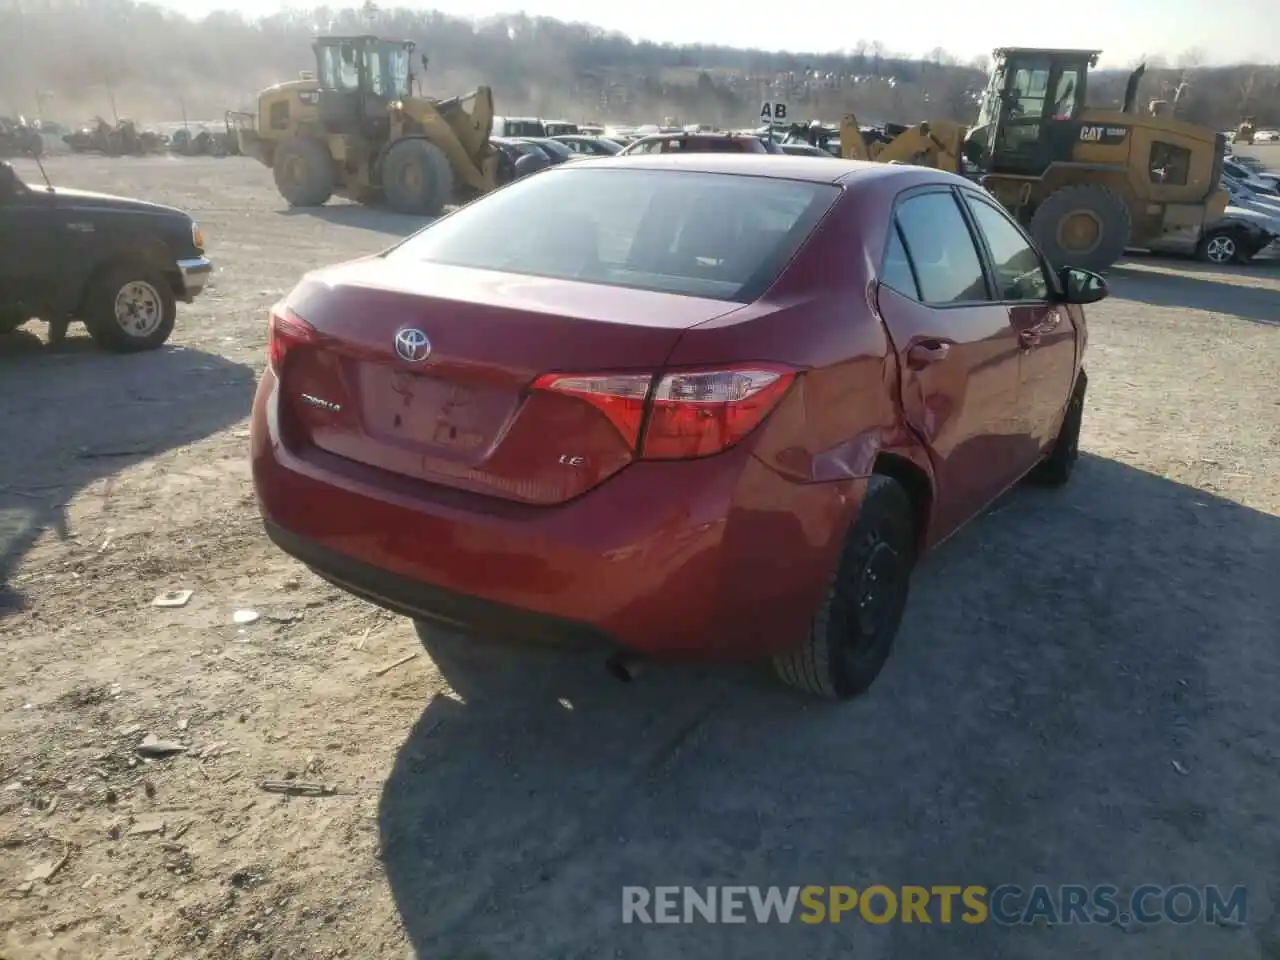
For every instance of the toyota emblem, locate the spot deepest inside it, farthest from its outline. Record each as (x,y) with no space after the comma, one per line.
(412,345)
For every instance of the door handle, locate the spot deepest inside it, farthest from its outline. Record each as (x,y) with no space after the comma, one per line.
(927,352)
(1028,338)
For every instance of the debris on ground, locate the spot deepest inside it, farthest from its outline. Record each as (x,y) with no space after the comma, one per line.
(147,827)
(44,872)
(391,666)
(300,788)
(243,618)
(173,598)
(153,746)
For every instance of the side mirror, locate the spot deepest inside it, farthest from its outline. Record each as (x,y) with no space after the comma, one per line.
(1082,286)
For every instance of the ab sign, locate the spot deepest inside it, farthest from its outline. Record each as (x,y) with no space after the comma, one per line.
(773,111)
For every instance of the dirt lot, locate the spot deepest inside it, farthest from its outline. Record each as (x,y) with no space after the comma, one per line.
(1084,690)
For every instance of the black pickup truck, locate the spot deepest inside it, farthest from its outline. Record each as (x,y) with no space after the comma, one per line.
(120,266)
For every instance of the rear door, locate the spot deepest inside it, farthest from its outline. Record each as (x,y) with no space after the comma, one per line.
(1045,331)
(957,353)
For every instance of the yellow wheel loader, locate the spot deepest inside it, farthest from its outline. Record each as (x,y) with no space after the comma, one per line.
(1086,182)
(355,128)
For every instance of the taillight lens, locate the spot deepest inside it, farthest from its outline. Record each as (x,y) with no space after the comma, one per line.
(683,414)
(285,331)
(698,413)
(621,398)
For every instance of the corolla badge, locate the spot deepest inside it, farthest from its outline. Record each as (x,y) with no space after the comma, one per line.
(412,345)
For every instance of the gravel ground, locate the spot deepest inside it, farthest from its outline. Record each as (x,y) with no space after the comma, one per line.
(1083,690)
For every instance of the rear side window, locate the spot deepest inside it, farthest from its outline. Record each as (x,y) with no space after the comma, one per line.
(941,249)
(896,271)
(717,236)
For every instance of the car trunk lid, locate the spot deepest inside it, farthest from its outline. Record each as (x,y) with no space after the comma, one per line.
(462,413)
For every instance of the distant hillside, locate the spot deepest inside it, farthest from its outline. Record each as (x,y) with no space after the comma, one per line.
(71,59)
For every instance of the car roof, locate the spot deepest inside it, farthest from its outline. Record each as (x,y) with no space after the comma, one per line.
(782,167)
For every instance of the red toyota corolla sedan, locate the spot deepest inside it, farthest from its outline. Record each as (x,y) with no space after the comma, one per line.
(681,406)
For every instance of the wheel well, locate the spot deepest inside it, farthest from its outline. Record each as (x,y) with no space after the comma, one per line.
(915,481)
(113,263)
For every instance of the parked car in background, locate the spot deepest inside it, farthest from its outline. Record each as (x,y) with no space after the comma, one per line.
(1238,236)
(1255,166)
(803,150)
(559,128)
(556,151)
(525,158)
(697,143)
(597,406)
(118,265)
(1246,174)
(590,146)
(518,127)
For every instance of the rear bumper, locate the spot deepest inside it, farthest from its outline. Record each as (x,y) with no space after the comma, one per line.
(720,558)
(424,601)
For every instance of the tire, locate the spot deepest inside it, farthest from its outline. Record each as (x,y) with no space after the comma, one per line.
(304,172)
(1055,470)
(1220,246)
(417,178)
(1111,220)
(847,646)
(129,309)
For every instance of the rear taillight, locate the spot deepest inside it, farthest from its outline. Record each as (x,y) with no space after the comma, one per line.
(285,331)
(621,398)
(680,415)
(702,412)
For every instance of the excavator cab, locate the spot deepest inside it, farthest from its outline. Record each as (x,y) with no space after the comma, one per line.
(1030,115)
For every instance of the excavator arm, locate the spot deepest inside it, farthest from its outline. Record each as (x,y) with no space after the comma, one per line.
(933,143)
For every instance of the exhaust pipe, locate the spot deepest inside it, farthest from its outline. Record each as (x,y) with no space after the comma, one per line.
(624,667)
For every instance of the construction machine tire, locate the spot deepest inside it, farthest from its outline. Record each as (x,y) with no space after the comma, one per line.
(417,178)
(1084,225)
(304,172)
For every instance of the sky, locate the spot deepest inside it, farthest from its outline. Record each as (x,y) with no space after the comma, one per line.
(1125,30)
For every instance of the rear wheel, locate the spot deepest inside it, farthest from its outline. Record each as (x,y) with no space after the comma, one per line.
(855,625)
(1084,225)
(1220,246)
(417,178)
(304,172)
(129,308)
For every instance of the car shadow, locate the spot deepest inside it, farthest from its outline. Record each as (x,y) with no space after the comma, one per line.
(1081,693)
(1198,287)
(71,416)
(362,217)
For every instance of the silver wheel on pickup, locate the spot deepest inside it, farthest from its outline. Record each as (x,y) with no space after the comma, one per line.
(129,308)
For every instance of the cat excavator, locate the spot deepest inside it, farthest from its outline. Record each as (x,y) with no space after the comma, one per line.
(1086,182)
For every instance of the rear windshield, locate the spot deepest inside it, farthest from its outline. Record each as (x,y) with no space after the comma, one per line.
(718,236)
